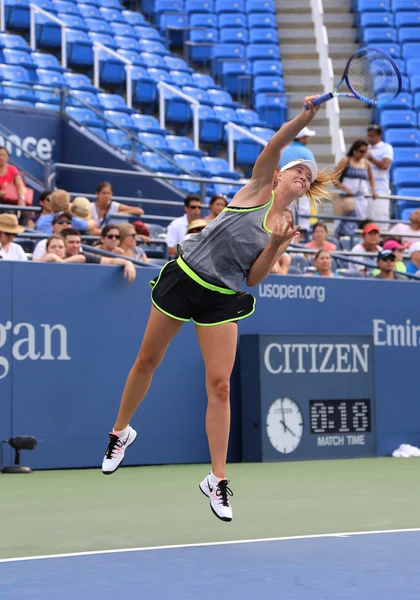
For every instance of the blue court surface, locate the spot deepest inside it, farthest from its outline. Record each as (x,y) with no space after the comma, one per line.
(374,566)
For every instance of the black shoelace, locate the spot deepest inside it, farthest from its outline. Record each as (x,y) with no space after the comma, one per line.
(114,440)
(223,491)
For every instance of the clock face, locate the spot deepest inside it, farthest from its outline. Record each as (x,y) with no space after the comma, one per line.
(284,425)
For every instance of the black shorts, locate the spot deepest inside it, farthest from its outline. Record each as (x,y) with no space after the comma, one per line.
(182,294)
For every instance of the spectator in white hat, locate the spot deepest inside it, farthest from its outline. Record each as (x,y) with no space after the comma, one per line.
(299,149)
(9,227)
(414,264)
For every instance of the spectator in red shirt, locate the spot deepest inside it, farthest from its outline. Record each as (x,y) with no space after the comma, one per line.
(319,238)
(10,174)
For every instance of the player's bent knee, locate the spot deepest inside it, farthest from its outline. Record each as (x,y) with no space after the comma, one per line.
(219,388)
(146,362)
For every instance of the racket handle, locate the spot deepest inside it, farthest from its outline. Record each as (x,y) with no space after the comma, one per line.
(321,99)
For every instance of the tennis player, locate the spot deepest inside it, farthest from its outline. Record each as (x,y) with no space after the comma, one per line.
(203,285)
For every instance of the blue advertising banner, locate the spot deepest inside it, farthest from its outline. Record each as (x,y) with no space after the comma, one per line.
(307,397)
(6,362)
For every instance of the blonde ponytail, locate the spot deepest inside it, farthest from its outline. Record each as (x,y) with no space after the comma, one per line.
(320,189)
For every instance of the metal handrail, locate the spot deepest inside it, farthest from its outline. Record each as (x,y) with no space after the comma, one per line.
(36,9)
(162,86)
(327,75)
(231,143)
(97,46)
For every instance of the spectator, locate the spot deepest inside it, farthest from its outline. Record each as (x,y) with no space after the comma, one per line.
(380,156)
(10,175)
(386,266)
(323,264)
(45,204)
(177,229)
(110,239)
(60,202)
(319,238)
(299,149)
(352,175)
(55,250)
(409,229)
(398,250)
(281,266)
(73,251)
(60,221)
(414,264)
(128,243)
(9,227)
(196,226)
(217,203)
(104,205)
(371,237)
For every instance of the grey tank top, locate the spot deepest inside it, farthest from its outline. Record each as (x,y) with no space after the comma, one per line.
(226,249)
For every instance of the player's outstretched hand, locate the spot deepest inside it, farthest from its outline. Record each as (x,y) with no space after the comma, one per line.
(309,109)
(283,231)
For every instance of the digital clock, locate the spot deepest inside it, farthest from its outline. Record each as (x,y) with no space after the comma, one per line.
(339,416)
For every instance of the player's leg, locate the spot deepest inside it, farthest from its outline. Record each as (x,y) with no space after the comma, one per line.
(218,347)
(160,330)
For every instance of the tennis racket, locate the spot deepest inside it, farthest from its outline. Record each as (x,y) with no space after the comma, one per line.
(371,75)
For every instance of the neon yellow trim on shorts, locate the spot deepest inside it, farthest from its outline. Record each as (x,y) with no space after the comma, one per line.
(197,279)
(227,320)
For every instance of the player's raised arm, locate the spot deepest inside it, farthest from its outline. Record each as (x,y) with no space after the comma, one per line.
(269,158)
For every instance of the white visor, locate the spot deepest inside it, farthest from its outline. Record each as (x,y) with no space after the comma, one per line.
(302,161)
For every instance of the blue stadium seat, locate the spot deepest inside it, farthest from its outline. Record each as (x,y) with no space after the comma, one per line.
(193,164)
(268,83)
(226,114)
(144,87)
(160,75)
(228,6)
(266,133)
(226,52)
(236,78)
(257,6)
(53,79)
(145,33)
(123,29)
(84,116)
(377,19)
(20,58)
(198,94)
(234,35)
(204,20)
(261,19)
(66,7)
(232,20)
(267,67)
(173,63)
(398,118)
(203,81)
(132,55)
(372,35)
(48,106)
(17,42)
(272,109)
(79,49)
(111,4)
(373,5)
(119,119)
(111,15)
(126,43)
(177,110)
(147,123)
(156,162)
(407,19)
(411,50)
(211,127)
(202,43)
(402,5)
(404,100)
(199,6)
(133,18)
(152,141)
(73,21)
(47,61)
(89,12)
(178,144)
(415,83)
(9,89)
(405,81)
(403,205)
(17,14)
(263,35)
(393,49)
(153,61)
(247,151)
(406,157)
(78,97)
(103,38)
(46,5)
(417,101)
(407,176)
(153,47)
(48,34)
(221,98)
(413,66)
(77,81)
(219,167)
(228,189)
(181,78)
(112,71)
(113,102)
(250,117)
(409,34)
(262,51)
(402,137)
(162,6)
(119,139)
(174,26)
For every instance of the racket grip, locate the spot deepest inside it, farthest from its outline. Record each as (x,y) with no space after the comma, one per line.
(321,99)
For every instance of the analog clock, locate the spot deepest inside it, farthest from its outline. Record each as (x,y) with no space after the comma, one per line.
(284,425)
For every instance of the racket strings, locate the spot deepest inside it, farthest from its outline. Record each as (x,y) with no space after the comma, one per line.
(373,76)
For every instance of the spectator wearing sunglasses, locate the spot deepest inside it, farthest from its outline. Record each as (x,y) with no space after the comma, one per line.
(60,221)
(110,239)
(9,227)
(128,243)
(386,266)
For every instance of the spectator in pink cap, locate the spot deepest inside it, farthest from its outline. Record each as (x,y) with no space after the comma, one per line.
(397,250)
(414,265)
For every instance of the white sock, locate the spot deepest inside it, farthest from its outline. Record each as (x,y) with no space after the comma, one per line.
(122,433)
(215,480)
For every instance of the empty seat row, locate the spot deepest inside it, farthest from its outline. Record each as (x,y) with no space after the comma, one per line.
(386,5)
(212,20)
(208,6)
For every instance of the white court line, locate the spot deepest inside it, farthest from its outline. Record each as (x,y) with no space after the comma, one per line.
(205,544)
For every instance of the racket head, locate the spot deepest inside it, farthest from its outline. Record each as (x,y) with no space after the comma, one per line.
(373,76)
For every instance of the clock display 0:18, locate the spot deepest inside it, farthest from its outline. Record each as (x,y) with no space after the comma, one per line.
(339,416)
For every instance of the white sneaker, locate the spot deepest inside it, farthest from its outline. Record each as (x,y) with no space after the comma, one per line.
(116,449)
(219,498)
